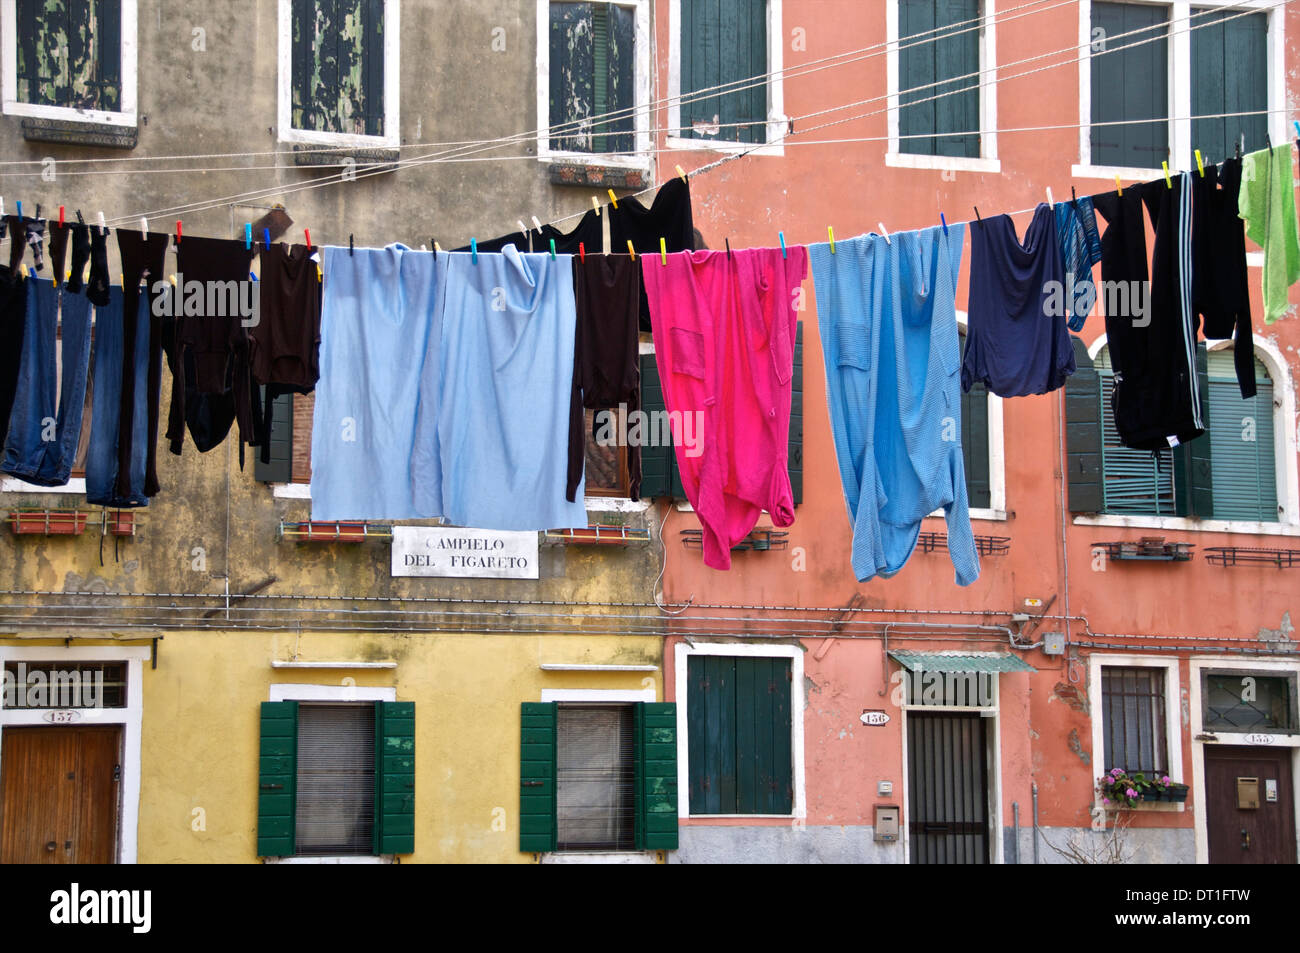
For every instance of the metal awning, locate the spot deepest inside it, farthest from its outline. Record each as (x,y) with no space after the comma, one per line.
(959,661)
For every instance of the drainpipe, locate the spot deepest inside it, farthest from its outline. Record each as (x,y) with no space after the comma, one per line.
(1015,832)
(884,664)
(1035,787)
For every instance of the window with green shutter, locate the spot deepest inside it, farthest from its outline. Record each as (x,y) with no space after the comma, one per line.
(739,734)
(70,53)
(592,62)
(975,443)
(597,776)
(337,66)
(1244,475)
(724,66)
(279,469)
(1229,75)
(938,77)
(336,779)
(1130,82)
(1136,482)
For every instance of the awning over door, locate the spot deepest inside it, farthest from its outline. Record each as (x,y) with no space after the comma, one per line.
(991,662)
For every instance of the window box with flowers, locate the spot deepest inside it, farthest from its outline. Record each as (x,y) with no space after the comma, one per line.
(1121,791)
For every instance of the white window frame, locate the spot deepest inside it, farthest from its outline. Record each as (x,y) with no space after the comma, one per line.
(988,160)
(129,717)
(1180,84)
(1173,721)
(1259,666)
(683,651)
(640,96)
(281,692)
(125,117)
(1286,474)
(776,118)
(391,138)
(11,484)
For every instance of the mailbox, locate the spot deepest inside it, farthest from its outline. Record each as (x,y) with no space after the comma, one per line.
(887,823)
(1247,793)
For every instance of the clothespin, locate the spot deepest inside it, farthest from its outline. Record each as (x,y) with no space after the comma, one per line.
(1050,201)
(536,224)
(24,267)
(144,227)
(1200,166)
(630,250)
(38,210)
(888,240)
(522,227)
(582,252)
(248,234)
(60,216)
(1168,184)
(103,228)
(977,213)
(351,248)
(1268,142)
(1236,146)
(172,279)
(2,204)
(781,235)
(613,198)
(307,232)
(683,174)
(728,241)
(552,249)
(266,239)
(80,219)
(473,250)
(436,248)
(1119,186)
(944,222)
(1296,123)
(178,231)
(595,203)
(663,252)
(1074,196)
(252,277)
(830,233)
(20,208)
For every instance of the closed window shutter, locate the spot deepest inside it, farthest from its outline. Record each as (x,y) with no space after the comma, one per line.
(592,75)
(939,91)
(1193,460)
(1229,75)
(280,469)
(1083,433)
(395,778)
(1133,481)
(276,775)
(337,66)
(1241,441)
(725,41)
(537,776)
(659,474)
(336,779)
(975,444)
(795,445)
(69,54)
(1130,81)
(656,775)
(916,73)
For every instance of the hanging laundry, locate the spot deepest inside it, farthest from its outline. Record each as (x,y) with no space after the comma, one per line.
(1076,231)
(377,324)
(102,459)
(142,267)
(17,228)
(284,344)
(58,250)
(1267,203)
(724,333)
(1220,283)
(45,422)
(1017,341)
(212,301)
(90,245)
(13,320)
(492,430)
(668,217)
(606,362)
(487,246)
(588,232)
(887,316)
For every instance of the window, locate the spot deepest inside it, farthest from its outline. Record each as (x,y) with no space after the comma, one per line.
(1134,481)
(1130,81)
(71,60)
(339,72)
(597,776)
(975,443)
(1245,701)
(593,77)
(1243,473)
(336,779)
(605,470)
(939,82)
(42,685)
(1133,719)
(728,54)
(1229,58)
(738,711)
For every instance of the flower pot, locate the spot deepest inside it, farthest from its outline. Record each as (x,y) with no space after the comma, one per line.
(48,522)
(1176,792)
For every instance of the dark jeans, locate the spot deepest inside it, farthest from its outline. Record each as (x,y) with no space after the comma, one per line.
(45,423)
(102,458)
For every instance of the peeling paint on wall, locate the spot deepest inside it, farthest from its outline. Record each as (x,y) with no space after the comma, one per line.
(1077,747)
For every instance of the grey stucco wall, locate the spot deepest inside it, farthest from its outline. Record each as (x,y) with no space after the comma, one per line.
(1147,845)
(782,845)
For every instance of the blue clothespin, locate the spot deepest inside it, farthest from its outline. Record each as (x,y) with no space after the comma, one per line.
(473,250)
(781,235)
(944,222)
(248,234)
(252,277)
(1296,123)
(266,239)
(20,208)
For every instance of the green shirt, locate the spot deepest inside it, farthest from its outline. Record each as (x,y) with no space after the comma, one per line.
(1267,203)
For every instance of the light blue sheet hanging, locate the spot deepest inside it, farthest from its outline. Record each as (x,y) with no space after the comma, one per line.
(887,319)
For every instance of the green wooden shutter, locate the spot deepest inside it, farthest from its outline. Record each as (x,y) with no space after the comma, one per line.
(280,469)
(1130,81)
(337,66)
(1241,440)
(1194,480)
(656,776)
(1137,482)
(659,473)
(395,778)
(725,41)
(537,828)
(1083,433)
(795,445)
(975,446)
(938,93)
(277,771)
(916,71)
(1229,75)
(69,53)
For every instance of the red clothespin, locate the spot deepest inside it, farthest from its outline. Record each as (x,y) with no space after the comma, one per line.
(307,232)
(178,231)
(60,216)
(582,252)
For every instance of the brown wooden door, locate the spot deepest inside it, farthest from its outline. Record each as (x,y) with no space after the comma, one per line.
(59,794)
(1262,835)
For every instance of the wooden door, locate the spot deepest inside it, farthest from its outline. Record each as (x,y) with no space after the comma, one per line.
(59,793)
(1260,835)
(947,788)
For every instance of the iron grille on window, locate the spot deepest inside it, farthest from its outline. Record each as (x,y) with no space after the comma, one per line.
(1133,719)
(1243,701)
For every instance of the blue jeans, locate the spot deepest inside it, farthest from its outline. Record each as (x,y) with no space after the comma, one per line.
(101,457)
(45,423)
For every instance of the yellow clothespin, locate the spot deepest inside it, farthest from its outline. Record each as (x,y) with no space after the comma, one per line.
(437,247)
(681,173)
(613,198)
(1168,184)
(630,250)
(24,267)
(172,279)
(595,203)
(663,251)
(1119,185)
(320,275)
(1200,166)
(830,233)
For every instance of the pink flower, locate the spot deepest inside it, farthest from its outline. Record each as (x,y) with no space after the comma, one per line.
(1106,800)
(1165,779)
(1131,793)
(1116,772)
